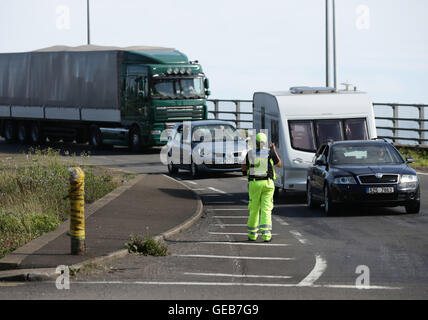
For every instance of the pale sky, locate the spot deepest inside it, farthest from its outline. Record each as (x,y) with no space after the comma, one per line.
(245,45)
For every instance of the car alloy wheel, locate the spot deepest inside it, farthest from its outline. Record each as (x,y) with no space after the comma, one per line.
(172,169)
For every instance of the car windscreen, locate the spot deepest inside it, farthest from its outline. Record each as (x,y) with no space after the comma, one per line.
(364,154)
(215,132)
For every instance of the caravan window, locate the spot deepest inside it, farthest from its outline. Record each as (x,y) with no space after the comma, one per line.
(355,129)
(329,130)
(302,136)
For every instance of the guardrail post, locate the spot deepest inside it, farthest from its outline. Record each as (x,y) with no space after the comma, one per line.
(421,124)
(238,113)
(215,109)
(77,206)
(394,122)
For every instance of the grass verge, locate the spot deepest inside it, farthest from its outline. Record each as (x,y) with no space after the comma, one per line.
(32,192)
(147,246)
(420,156)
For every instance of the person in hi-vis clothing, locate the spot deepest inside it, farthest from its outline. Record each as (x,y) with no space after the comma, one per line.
(261,175)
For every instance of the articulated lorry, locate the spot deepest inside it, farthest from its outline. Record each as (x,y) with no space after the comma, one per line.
(101,95)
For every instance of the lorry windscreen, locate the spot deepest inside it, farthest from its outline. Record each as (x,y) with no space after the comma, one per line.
(177,88)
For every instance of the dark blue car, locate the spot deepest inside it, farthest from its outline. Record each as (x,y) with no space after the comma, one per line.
(362,173)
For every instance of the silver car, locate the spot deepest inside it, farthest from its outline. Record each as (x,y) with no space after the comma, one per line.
(208,145)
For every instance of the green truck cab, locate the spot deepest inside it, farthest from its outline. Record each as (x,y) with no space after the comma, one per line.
(97,94)
(159,89)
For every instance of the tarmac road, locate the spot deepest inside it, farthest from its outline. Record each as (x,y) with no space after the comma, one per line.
(311,256)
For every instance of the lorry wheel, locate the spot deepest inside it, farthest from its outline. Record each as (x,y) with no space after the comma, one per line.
(95,138)
(10,131)
(22,133)
(135,140)
(36,134)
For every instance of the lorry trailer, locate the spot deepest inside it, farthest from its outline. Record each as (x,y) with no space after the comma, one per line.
(102,95)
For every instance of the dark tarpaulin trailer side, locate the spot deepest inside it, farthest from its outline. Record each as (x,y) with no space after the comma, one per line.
(87,79)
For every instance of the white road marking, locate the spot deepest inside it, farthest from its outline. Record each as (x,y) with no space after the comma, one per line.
(316,273)
(422,173)
(230,225)
(341,286)
(230,209)
(237,233)
(281,222)
(299,236)
(247,243)
(188,181)
(217,190)
(198,189)
(235,275)
(229,284)
(230,257)
(231,217)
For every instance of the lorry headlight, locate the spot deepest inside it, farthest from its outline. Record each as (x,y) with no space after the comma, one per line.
(408,182)
(344,180)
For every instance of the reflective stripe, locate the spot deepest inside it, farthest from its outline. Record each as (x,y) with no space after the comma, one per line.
(266,226)
(253,233)
(265,231)
(252,229)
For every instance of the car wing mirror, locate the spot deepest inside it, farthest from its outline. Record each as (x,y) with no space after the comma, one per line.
(321,161)
(410,160)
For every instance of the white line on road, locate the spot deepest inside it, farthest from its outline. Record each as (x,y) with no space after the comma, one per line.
(422,173)
(217,190)
(247,243)
(299,236)
(229,284)
(316,273)
(230,209)
(188,181)
(238,233)
(230,257)
(231,217)
(198,189)
(230,225)
(235,275)
(281,222)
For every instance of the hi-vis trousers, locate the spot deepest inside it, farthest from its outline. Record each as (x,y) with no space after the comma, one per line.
(260,207)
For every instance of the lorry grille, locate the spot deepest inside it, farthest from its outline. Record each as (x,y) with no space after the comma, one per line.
(179,113)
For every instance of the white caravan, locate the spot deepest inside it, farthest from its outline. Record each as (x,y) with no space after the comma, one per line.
(301,119)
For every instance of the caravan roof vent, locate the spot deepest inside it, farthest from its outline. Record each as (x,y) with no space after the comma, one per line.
(311,90)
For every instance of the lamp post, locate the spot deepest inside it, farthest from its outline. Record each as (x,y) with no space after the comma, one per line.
(87,19)
(330,47)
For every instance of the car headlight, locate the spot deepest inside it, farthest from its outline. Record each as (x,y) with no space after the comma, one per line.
(344,180)
(408,182)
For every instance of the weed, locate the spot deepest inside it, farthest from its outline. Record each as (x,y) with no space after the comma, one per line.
(147,246)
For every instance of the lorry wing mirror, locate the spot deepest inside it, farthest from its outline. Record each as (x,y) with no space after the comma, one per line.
(206,83)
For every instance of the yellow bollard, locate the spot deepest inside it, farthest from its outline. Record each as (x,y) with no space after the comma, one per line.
(77,217)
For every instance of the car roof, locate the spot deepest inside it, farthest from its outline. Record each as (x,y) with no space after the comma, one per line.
(353,142)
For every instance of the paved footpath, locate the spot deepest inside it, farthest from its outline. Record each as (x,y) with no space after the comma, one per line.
(155,204)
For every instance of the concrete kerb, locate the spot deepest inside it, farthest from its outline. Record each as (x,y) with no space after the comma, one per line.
(47,274)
